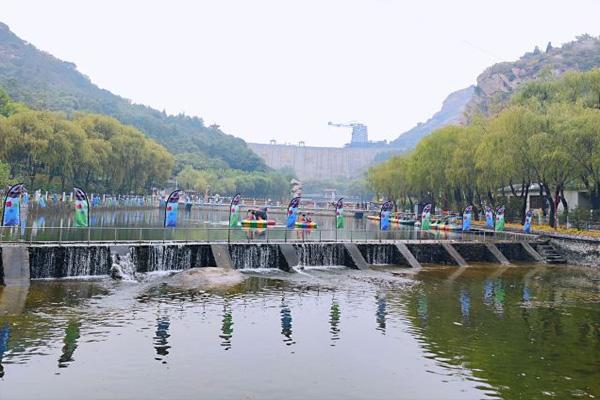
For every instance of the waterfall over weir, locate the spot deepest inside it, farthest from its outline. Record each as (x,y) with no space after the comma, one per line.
(317,254)
(255,256)
(381,254)
(127,259)
(61,262)
(171,257)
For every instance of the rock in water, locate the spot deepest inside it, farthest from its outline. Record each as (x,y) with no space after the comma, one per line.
(122,268)
(206,278)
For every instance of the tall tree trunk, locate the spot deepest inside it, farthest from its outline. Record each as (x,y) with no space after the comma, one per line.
(544,202)
(62,182)
(564,203)
(491,199)
(525,197)
(556,203)
(595,196)
(553,211)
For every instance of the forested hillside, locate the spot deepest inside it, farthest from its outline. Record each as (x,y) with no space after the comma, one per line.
(44,82)
(548,135)
(49,150)
(497,83)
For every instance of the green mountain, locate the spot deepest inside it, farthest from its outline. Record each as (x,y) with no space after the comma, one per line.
(497,83)
(42,81)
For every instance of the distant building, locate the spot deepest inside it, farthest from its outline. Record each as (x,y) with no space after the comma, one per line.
(574,198)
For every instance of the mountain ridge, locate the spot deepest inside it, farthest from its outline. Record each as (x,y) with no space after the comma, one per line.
(43,81)
(497,83)
(452,108)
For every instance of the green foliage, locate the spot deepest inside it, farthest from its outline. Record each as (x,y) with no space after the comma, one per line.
(43,82)
(47,149)
(549,135)
(5,175)
(228,181)
(352,187)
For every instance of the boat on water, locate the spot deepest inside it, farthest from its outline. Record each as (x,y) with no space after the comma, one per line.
(402,220)
(257,223)
(452,223)
(406,221)
(306,225)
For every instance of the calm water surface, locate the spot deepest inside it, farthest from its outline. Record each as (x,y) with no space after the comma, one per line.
(198,224)
(482,332)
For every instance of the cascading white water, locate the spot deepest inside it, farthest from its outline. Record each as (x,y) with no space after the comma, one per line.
(123,267)
(171,257)
(320,254)
(379,254)
(254,256)
(61,262)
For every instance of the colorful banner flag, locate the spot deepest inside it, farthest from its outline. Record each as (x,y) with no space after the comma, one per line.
(171,209)
(500,219)
(467,218)
(12,206)
(292,215)
(234,210)
(339,214)
(426,217)
(82,208)
(489,217)
(384,215)
(528,218)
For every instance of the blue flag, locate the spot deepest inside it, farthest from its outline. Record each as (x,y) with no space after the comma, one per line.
(467,218)
(293,212)
(489,218)
(528,218)
(171,209)
(384,215)
(12,206)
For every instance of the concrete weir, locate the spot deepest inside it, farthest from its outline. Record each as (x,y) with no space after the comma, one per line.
(22,262)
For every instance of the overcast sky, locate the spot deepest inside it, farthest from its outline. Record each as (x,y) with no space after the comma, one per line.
(277,69)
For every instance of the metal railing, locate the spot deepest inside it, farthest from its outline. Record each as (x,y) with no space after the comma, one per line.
(238,235)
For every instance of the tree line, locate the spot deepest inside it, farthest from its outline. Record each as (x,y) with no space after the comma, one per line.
(55,151)
(548,135)
(51,150)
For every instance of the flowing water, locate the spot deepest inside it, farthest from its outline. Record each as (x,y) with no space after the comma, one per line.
(519,332)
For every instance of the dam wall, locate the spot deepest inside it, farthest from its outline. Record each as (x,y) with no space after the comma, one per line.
(319,162)
(55,261)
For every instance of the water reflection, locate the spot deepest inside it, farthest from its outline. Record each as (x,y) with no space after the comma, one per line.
(334,321)
(546,341)
(72,334)
(381,313)
(286,323)
(161,338)
(465,305)
(422,309)
(226,327)
(4,336)
(525,337)
(499,296)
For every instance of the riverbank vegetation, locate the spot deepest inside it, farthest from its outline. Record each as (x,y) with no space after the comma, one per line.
(49,149)
(54,151)
(549,135)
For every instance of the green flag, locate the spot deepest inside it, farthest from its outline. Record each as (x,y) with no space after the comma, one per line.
(82,207)
(339,214)
(234,210)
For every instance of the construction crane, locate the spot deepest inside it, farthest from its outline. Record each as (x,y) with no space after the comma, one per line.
(360,135)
